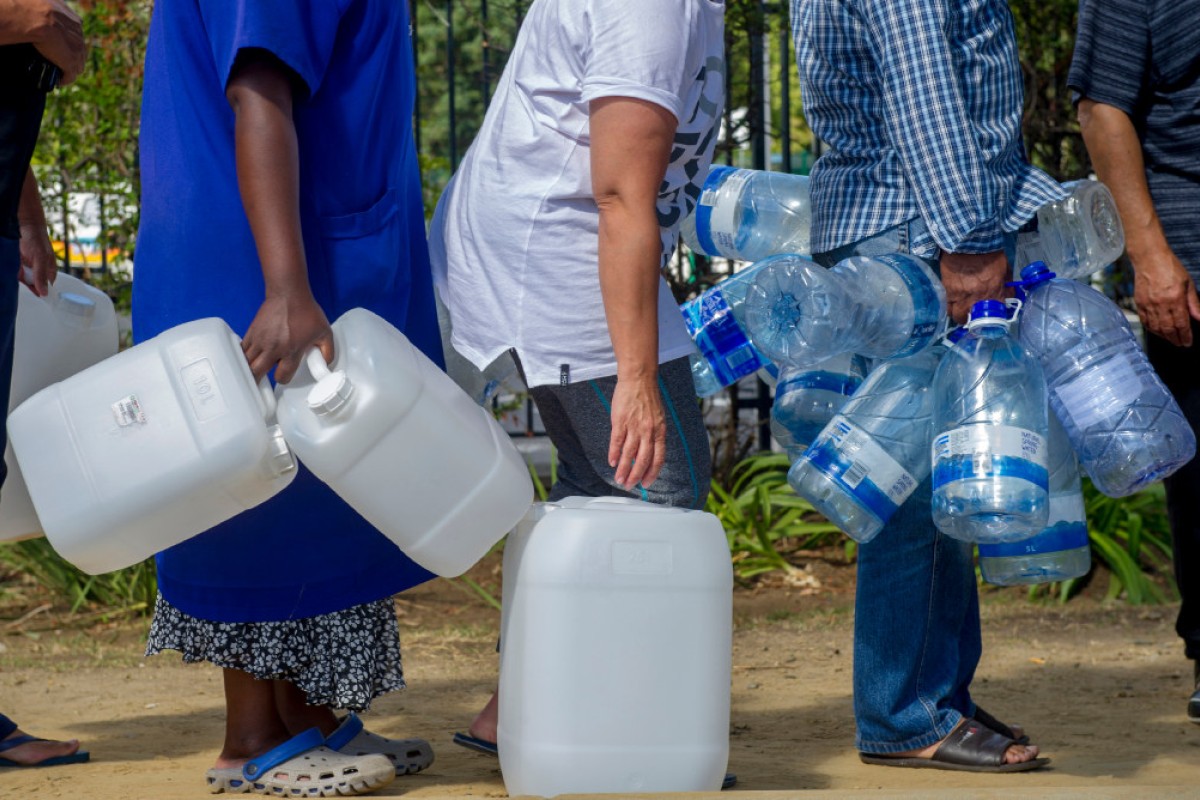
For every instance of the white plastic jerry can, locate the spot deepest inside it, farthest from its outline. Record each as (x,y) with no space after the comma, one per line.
(150,447)
(404,446)
(71,328)
(615,650)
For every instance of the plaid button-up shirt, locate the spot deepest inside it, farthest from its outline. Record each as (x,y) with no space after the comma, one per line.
(920,102)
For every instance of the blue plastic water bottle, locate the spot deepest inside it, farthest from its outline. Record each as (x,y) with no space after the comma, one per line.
(806,399)
(875,452)
(1125,426)
(990,482)
(716,322)
(749,214)
(1061,551)
(800,314)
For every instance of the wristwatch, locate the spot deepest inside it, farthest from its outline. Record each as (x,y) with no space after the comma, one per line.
(43,74)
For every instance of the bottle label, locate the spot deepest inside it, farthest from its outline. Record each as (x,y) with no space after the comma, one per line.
(926,305)
(854,460)
(820,379)
(1099,393)
(1068,533)
(716,223)
(989,451)
(720,338)
(128,411)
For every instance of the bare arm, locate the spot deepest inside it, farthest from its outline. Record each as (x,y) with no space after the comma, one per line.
(630,148)
(51,27)
(36,251)
(1163,291)
(289,323)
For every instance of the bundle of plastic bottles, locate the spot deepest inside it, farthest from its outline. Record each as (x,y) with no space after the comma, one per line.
(999,417)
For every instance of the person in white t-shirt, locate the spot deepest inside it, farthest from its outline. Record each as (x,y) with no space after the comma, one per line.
(551,237)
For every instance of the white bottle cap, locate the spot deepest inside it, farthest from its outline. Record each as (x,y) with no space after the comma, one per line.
(330,393)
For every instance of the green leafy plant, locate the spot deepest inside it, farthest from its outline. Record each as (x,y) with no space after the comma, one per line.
(764,519)
(129,590)
(1132,536)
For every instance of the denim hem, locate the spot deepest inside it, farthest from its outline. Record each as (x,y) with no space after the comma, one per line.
(915,743)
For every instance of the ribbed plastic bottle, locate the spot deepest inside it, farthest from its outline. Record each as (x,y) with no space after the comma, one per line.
(990,482)
(1076,236)
(800,314)
(875,452)
(716,322)
(1061,551)
(1126,428)
(750,214)
(806,399)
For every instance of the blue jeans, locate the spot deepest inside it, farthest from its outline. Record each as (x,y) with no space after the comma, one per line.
(10,265)
(916,614)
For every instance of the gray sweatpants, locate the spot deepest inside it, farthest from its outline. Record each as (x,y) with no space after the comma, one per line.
(578,420)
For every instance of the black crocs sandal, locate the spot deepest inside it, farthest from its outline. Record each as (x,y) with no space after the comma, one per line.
(988,721)
(971,747)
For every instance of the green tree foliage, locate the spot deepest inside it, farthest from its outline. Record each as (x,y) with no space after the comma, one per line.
(1046,38)
(89,133)
(461,48)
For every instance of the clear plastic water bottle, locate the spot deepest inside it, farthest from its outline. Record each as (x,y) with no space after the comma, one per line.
(1077,235)
(990,482)
(716,322)
(875,452)
(749,214)
(1061,551)
(1125,426)
(806,399)
(800,314)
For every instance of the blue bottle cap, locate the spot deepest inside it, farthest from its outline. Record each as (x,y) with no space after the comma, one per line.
(989,309)
(1036,273)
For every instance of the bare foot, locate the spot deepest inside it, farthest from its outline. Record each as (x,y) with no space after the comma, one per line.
(33,753)
(1015,754)
(484,726)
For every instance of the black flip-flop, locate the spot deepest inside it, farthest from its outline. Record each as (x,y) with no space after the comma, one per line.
(489,748)
(971,747)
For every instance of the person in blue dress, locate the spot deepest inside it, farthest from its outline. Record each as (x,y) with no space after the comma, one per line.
(280,188)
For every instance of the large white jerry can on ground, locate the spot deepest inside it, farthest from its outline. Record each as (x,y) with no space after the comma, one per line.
(404,446)
(615,650)
(150,447)
(70,329)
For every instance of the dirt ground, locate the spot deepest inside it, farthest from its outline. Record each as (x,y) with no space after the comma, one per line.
(1101,687)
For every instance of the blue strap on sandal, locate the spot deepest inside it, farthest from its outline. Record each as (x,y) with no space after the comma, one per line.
(351,726)
(297,745)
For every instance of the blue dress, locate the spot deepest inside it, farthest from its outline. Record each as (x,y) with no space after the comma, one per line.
(304,552)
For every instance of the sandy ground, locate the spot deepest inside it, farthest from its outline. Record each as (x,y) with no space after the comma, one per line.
(1101,687)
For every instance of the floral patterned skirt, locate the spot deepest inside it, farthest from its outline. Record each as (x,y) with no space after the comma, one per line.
(343,660)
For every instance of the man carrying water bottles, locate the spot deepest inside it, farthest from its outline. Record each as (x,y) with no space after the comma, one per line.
(1136,74)
(41,45)
(920,103)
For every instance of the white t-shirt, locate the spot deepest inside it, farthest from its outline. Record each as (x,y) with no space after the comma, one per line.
(514,240)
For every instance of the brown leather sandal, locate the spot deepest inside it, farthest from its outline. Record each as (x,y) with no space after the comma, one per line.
(971,747)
